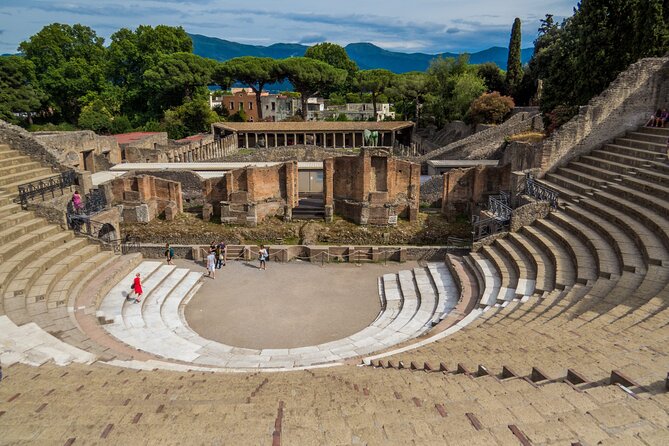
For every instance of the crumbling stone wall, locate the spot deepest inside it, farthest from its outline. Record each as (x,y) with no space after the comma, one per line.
(466,189)
(144,197)
(252,194)
(484,144)
(74,144)
(624,106)
(19,139)
(371,188)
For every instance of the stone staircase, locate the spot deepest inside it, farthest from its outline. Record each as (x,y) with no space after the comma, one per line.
(588,285)
(412,302)
(346,405)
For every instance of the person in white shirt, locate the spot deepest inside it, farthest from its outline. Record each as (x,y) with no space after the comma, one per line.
(211,265)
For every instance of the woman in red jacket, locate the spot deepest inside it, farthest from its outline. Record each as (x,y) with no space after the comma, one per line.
(137,287)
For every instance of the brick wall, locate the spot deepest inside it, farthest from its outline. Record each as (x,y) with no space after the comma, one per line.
(153,195)
(73,144)
(466,189)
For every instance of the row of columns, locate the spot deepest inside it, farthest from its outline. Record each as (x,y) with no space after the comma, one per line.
(216,149)
(332,140)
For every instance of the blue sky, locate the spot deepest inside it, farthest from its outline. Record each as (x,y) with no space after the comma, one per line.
(402,25)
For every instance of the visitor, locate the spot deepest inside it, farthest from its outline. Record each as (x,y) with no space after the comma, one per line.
(664,117)
(221,254)
(212,247)
(76,202)
(211,264)
(262,256)
(137,288)
(169,253)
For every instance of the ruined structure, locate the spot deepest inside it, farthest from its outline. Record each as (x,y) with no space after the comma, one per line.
(372,188)
(194,148)
(145,197)
(251,194)
(317,133)
(83,149)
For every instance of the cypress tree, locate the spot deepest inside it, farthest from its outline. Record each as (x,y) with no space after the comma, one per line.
(514,66)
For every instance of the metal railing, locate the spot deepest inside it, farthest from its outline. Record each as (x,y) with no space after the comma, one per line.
(540,192)
(46,186)
(498,205)
(487,227)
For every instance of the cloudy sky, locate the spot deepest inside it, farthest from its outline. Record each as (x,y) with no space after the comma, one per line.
(403,25)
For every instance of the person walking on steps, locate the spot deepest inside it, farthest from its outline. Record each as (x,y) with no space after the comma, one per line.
(77,204)
(169,253)
(211,264)
(262,256)
(137,288)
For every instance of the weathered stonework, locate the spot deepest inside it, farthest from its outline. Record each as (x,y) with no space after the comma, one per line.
(249,195)
(624,106)
(466,190)
(144,197)
(81,149)
(23,141)
(372,188)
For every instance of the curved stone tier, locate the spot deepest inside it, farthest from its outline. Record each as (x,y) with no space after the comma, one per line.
(412,301)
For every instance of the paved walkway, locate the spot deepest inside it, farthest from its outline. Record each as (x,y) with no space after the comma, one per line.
(288,305)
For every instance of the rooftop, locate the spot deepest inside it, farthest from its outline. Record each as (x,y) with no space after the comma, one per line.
(127,138)
(462,163)
(313,126)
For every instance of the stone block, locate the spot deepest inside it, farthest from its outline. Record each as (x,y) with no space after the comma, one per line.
(241,196)
(171,211)
(143,214)
(207,211)
(378,198)
(130,195)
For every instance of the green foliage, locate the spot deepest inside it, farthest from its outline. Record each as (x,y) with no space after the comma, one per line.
(332,54)
(408,92)
(240,116)
(514,66)
(493,77)
(490,108)
(69,63)
(176,77)
(310,76)
(193,116)
(454,84)
(375,83)
(121,124)
(96,117)
(19,93)
(579,58)
(254,72)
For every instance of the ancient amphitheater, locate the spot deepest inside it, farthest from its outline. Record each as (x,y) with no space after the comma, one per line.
(554,334)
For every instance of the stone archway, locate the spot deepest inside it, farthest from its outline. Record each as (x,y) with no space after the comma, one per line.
(107,233)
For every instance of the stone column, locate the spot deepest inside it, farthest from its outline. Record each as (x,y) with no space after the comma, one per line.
(276,140)
(328,188)
(325,140)
(246,140)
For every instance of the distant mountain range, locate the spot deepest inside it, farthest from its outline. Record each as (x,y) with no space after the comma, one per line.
(366,55)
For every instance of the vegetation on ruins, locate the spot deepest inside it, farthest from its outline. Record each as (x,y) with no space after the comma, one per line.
(490,108)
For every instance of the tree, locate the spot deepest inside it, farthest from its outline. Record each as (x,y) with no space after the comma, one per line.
(176,77)
(254,72)
(69,62)
(493,77)
(332,54)
(19,94)
(514,65)
(310,76)
(409,90)
(193,116)
(132,53)
(96,117)
(490,108)
(374,82)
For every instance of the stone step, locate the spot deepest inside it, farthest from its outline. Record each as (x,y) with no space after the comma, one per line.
(15,218)
(641,136)
(624,167)
(664,132)
(19,229)
(111,307)
(632,161)
(634,152)
(492,281)
(29,344)
(11,158)
(448,293)
(32,238)
(565,274)
(9,209)
(28,176)
(583,178)
(539,259)
(507,272)
(8,169)
(577,188)
(132,312)
(643,144)
(524,269)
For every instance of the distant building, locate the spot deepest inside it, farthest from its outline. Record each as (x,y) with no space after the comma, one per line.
(360,112)
(278,107)
(242,99)
(315,109)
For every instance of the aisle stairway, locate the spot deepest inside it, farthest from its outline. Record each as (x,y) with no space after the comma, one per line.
(412,301)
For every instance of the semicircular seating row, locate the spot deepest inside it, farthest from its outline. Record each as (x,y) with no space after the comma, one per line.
(412,302)
(589,284)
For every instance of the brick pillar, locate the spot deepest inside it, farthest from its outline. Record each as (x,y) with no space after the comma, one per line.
(328,188)
(366,160)
(292,191)
(250,183)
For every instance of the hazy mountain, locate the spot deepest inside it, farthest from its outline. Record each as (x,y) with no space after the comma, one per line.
(366,55)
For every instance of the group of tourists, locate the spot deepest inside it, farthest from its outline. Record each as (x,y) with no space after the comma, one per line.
(659,119)
(216,258)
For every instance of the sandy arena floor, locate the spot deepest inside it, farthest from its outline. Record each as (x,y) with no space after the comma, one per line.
(288,305)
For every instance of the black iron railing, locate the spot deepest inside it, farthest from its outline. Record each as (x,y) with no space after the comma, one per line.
(499,206)
(46,187)
(487,227)
(540,192)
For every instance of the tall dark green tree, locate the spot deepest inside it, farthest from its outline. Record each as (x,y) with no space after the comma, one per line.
(19,95)
(514,65)
(375,83)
